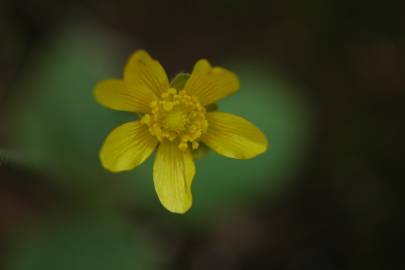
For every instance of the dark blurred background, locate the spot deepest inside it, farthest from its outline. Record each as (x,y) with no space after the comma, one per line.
(324,79)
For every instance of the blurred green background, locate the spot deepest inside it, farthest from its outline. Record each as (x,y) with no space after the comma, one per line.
(323,80)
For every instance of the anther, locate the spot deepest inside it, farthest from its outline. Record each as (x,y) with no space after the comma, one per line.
(168,106)
(145,119)
(172,91)
(195,145)
(183,146)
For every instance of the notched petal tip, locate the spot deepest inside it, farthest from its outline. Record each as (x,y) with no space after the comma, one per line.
(211,84)
(203,65)
(144,72)
(140,56)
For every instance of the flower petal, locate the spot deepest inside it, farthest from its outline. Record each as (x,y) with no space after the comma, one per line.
(234,137)
(143,73)
(210,84)
(127,146)
(115,94)
(173,172)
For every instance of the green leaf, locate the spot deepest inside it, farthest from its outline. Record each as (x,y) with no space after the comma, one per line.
(82,242)
(179,80)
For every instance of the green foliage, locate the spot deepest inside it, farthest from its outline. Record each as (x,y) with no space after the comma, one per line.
(179,80)
(282,114)
(86,242)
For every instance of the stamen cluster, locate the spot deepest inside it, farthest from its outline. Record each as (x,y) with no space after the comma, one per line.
(177,116)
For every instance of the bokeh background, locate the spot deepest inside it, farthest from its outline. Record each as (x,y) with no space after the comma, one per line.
(324,79)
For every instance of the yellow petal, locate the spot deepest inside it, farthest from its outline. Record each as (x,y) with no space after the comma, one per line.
(116,94)
(210,84)
(127,146)
(173,173)
(143,73)
(234,137)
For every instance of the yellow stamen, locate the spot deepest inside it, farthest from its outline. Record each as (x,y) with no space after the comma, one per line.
(194,145)
(183,146)
(177,116)
(172,91)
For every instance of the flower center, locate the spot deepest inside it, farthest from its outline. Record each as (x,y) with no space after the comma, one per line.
(177,116)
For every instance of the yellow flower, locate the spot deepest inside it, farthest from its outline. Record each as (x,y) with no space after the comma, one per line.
(175,119)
